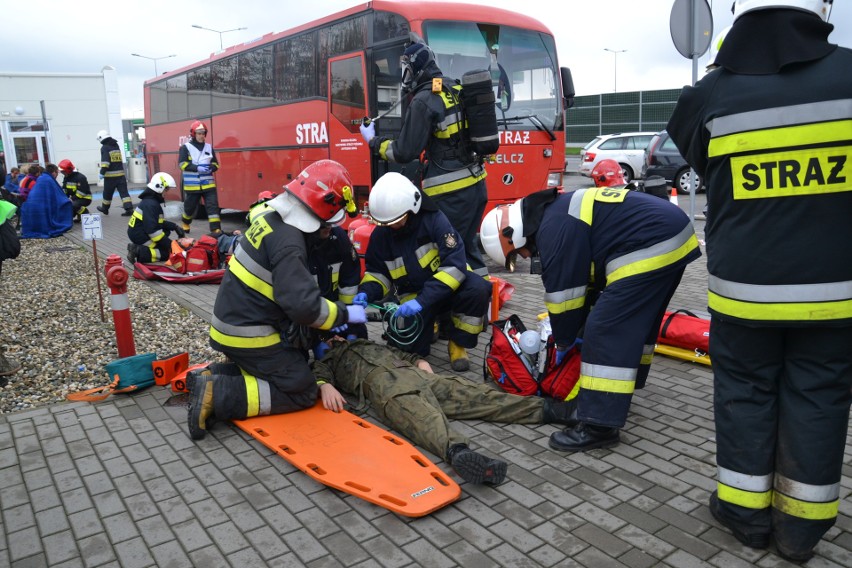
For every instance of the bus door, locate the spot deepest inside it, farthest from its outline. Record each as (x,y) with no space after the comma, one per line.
(347,98)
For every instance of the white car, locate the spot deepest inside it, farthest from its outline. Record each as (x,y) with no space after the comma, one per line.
(626,148)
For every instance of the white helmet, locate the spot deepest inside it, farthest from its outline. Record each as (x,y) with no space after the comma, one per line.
(102,135)
(161,181)
(502,233)
(821,8)
(393,197)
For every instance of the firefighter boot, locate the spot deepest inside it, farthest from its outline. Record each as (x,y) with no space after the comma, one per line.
(200,386)
(131,253)
(584,437)
(742,533)
(560,412)
(474,467)
(128,211)
(185,226)
(458,357)
(103,209)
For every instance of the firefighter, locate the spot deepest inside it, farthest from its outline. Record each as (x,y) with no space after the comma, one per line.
(76,187)
(197,160)
(432,124)
(624,249)
(266,298)
(413,400)
(112,170)
(148,231)
(260,206)
(415,248)
(768,130)
(607,173)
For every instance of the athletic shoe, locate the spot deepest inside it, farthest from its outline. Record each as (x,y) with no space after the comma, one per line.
(476,468)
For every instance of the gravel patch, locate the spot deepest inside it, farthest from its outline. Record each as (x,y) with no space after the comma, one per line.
(50,323)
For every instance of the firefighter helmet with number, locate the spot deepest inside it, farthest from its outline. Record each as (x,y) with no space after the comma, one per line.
(160,182)
(196,126)
(66,166)
(821,8)
(502,233)
(102,135)
(325,188)
(607,173)
(393,197)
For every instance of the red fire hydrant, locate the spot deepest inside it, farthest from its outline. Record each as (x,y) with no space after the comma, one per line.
(116,277)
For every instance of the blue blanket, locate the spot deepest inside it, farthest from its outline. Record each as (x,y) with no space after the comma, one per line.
(47,212)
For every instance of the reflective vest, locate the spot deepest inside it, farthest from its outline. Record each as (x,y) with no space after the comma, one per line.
(194,181)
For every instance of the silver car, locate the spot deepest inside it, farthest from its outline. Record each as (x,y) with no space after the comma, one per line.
(626,148)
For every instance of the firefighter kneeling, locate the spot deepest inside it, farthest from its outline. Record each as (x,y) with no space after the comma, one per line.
(415,248)
(267,299)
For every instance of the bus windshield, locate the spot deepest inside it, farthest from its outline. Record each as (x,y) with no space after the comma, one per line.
(522,64)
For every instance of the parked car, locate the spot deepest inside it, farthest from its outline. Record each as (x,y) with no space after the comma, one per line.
(627,148)
(662,158)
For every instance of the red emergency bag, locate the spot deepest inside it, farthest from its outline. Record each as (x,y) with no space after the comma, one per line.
(515,373)
(203,255)
(682,328)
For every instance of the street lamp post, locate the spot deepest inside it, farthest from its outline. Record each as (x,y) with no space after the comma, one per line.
(154,59)
(615,53)
(218,32)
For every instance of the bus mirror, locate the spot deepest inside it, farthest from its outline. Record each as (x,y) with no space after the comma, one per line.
(567,88)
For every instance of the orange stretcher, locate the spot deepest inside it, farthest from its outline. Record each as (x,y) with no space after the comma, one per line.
(692,355)
(348,453)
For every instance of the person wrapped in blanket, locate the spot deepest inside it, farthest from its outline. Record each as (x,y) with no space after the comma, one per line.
(416,402)
(148,230)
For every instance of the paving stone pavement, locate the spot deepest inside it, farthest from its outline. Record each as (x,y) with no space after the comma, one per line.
(120,483)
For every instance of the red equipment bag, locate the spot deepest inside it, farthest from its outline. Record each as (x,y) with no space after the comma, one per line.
(682,328)
(203,255)
(514,373)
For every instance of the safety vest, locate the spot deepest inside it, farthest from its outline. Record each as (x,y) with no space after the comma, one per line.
(195,181)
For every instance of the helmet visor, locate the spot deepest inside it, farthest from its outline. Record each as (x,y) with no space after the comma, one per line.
(390,222)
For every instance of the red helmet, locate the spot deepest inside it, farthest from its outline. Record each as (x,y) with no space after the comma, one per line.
(66,167)
(608,173)
(265,196)
(196,126)
(325,188)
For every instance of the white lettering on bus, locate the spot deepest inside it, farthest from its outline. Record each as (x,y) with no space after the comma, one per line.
(509,158)
(311,133)
(512,137)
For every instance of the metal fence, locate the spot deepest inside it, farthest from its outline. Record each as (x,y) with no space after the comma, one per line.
(608,113)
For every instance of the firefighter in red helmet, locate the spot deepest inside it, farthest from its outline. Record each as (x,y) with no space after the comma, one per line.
(197,161)
(608,173)
(76,187)
(269,310)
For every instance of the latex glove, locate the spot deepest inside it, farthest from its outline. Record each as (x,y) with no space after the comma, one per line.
(339,329)
(180,232)
(320,349)
(560,355)
(368,132)
(409,308)
(360,299)
(203,169)
(357,314)
(351,337)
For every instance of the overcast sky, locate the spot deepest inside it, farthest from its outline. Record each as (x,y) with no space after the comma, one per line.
(86,35)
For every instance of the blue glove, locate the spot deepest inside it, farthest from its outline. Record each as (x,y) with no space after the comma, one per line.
(351,337)
(320,350)
(560,355)
(368,132)
(360,299)
(340,329)
(203,169)
(409,308)
(356,314)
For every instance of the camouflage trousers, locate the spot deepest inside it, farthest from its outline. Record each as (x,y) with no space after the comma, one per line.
(418,404)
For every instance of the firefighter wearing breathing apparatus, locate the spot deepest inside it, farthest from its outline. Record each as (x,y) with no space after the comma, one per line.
(416,249)
(452,177)
(628,249)
(266,298)
(769,130)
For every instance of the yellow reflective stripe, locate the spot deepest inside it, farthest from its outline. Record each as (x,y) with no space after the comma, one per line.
(328,323)
(805,509)
(426,257)
(252,396)
(759,140)
(244,342)
(442,276)
(607,385)
(567,305)
(380,281)
(453,186)
(792,311)
(243,275)
(383,149)
(471,328)
(649,264)
(647,359)
(398,272)
(748,499)
(574,392)
(587,206)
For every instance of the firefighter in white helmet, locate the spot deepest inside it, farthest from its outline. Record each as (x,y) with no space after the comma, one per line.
(625,249)
(415,250)
(148,231)
(768,130)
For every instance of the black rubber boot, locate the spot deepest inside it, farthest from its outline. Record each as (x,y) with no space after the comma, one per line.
(200,386)
(474,467)
(584,437)
(741,533)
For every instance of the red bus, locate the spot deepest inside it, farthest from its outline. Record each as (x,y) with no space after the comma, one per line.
(278,103)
